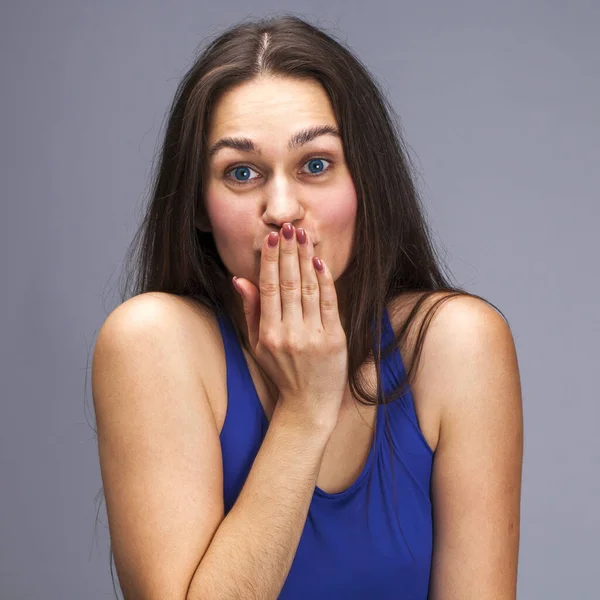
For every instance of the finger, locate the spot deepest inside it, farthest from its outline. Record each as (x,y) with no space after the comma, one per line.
(311,308)
(268,285)
(330,316)
(289,276)
(251,303)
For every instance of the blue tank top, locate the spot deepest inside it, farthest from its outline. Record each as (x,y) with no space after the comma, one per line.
(354,544)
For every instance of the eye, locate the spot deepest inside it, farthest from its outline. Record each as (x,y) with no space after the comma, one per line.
(242,173)
(316,163)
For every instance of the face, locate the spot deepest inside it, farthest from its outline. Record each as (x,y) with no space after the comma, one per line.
(265,180)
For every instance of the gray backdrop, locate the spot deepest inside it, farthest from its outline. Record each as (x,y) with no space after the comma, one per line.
(500,105)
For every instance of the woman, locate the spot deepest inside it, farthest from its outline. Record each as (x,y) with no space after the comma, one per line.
(270,429)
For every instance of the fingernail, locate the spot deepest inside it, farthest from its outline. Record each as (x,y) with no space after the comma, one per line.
(288,231)
(272,239)
(301,236)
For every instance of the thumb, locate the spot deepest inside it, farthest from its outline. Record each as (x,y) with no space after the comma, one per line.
(251,301)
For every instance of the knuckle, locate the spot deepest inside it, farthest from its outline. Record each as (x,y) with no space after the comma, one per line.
(288,285)
(269,288)
(287,346)
(291,344)
(309,288)
(329,304)
(269,341)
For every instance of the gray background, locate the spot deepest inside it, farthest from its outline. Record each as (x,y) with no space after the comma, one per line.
(500,105)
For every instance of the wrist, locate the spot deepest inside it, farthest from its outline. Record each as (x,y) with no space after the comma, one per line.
(298,422)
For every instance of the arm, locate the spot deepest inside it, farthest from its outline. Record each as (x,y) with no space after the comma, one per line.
(253,549)
(161,465)
(476,479)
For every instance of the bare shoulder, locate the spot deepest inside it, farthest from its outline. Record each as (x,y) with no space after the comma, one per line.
(462,326)
(453,322)
(151,326)
(463,334)
(159,317)
(471,348)
(159,310)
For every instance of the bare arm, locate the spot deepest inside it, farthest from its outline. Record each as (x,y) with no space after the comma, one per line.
(476,479)
(253,549)
(161,466)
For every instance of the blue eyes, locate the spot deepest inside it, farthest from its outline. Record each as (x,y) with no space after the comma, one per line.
(243,171)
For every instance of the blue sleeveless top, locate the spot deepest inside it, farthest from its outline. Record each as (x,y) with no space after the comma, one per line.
(354,544)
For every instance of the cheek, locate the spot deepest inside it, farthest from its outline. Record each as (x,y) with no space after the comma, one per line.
(231,234)
(227,217)
(338,208)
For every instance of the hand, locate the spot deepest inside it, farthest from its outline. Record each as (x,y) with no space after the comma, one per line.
(295,331)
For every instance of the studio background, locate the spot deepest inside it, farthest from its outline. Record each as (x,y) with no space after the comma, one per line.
(499,103)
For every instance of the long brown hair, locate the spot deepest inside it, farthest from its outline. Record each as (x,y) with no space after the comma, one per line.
(393,253)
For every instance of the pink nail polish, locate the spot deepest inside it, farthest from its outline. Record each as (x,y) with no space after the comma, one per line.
(288,231)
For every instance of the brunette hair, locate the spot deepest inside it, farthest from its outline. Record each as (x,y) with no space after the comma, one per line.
(393,252)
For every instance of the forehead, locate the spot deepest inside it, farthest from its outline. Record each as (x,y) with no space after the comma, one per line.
(270,105)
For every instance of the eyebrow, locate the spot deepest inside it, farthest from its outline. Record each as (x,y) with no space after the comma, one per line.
(300,138)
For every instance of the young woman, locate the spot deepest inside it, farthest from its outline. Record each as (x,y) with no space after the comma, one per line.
(347,427)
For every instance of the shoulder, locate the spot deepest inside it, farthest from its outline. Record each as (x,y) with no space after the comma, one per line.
(150,340)
(473,350)
(158,314)
(467,331)
(457,323)
(466,364)
(152,324)
(468,358)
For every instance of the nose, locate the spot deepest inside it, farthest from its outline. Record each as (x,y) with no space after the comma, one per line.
(283,204)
